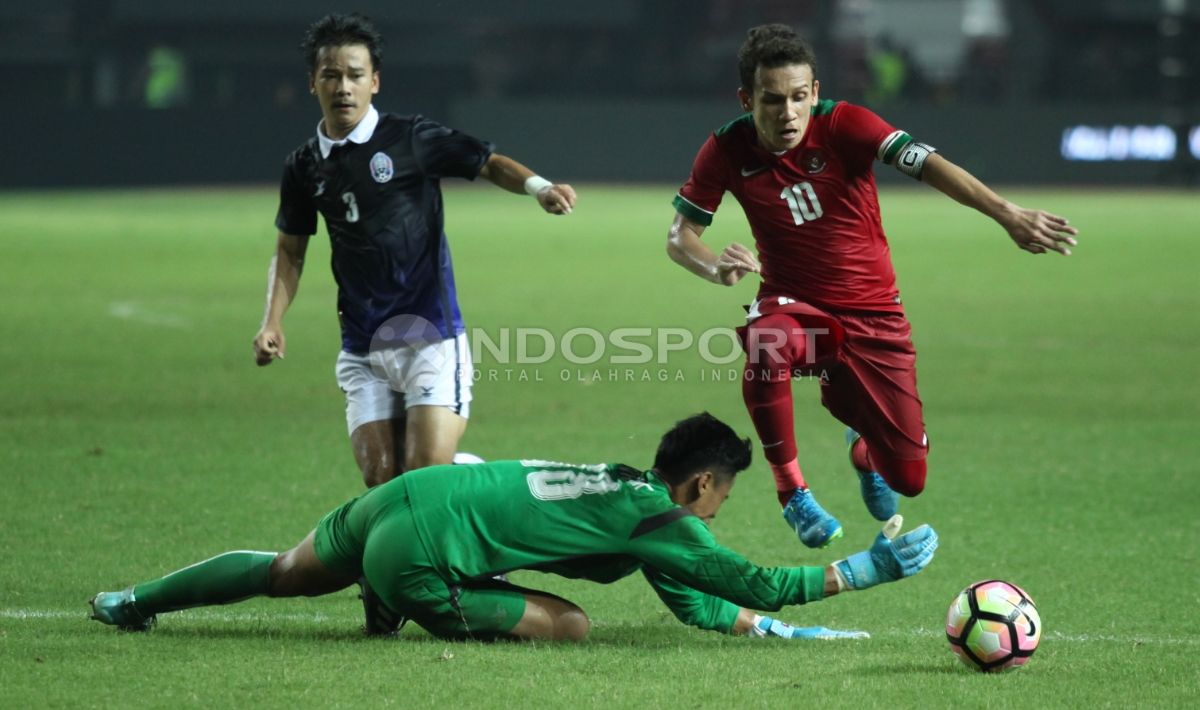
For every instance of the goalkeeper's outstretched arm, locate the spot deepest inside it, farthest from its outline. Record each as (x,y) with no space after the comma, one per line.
(889,559)
(710,613)
(717,589)
(690,556)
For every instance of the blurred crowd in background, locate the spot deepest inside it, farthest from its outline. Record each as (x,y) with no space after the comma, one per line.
(234,53)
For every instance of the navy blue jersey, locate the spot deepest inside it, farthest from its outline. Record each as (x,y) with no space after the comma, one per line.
(382,202)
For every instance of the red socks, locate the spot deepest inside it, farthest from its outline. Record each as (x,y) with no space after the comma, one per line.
(787,479)
(773,347)
(770,406)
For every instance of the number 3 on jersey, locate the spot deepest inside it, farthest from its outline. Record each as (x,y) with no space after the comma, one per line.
(352,206)
(802,200)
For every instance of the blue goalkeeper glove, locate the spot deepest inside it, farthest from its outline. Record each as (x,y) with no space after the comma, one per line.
(889,559)
(766,626)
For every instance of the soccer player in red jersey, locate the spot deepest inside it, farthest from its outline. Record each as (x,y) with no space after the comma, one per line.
(801,167)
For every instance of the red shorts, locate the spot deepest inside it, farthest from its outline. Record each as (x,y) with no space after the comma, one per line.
(868,372)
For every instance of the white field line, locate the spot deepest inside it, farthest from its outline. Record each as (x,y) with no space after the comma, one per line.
(134,311)
(1056,636)
(242,617)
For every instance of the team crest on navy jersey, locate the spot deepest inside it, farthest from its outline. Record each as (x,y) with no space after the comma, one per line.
(813,161)
(381,167)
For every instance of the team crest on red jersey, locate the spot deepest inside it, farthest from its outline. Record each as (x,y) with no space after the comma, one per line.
(381,167)
(813,161)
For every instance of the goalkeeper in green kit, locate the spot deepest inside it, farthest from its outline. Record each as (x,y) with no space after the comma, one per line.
(431,543)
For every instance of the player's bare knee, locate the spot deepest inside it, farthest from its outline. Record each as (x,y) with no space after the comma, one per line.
(379,468)
(568,621)
(552,618)
(572,625)
(375,453)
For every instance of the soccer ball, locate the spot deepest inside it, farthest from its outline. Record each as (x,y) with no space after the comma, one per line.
(463,458)
(993,626)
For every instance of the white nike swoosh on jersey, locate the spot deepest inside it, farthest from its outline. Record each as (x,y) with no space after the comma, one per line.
(748,173)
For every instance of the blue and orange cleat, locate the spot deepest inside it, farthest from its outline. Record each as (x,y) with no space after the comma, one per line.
(882,502)
(117,609)
(815,527)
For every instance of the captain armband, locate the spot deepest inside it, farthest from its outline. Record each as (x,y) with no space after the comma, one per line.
(910,159)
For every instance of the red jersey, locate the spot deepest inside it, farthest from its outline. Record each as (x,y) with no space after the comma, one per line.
(813,210)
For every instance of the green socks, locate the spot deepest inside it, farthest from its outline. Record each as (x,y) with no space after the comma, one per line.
(226,578)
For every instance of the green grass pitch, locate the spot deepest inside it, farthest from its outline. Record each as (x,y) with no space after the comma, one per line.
(136,436)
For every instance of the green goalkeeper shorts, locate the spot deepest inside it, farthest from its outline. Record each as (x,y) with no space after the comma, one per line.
(374,536)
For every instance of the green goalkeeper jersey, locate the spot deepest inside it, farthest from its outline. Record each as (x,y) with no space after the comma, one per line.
(597,522)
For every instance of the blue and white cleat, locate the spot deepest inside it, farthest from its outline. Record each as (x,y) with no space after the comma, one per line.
(117,609)
(815,527)
(882,502)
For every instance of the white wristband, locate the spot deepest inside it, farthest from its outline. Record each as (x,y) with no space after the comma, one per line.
(755,631)
(535,184)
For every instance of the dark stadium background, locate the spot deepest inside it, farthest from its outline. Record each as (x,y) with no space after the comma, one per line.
(133,92)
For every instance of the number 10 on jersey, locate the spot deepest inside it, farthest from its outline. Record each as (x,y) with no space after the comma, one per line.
(802,200)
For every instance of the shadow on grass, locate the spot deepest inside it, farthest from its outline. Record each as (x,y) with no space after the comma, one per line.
(636,639)
(248,633)
(412,635)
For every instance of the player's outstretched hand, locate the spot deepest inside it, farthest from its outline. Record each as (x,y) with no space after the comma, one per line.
(1038,232)
(890,558)
(766,626)
(735,262)
(557,199)
(268,345)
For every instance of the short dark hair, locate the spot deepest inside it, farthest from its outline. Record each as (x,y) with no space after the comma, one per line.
(337,30)
(772,46)
(701,443)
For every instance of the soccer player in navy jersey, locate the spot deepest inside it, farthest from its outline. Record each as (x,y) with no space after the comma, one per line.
(801,168)
(405,365)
